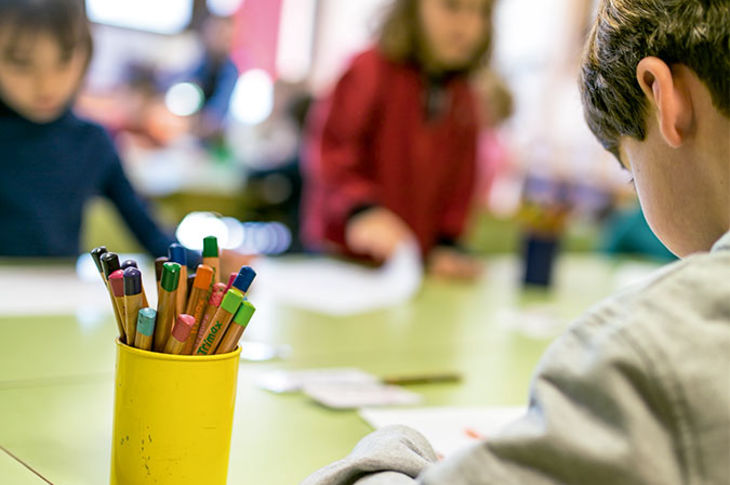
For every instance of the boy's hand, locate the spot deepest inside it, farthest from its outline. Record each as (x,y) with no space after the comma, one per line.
(449,263)
(231,261)
(376,232)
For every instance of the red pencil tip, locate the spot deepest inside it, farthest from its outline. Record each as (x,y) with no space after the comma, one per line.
(116,281)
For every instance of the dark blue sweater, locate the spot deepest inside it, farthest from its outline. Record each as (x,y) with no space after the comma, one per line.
(217,78)
(47,174)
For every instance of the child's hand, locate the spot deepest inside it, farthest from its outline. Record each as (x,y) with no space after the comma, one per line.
(376,232)
(449,263)
(231,261)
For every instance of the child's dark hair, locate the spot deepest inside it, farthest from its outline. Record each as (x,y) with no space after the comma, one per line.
(401,38)
(695,33)
(65,20)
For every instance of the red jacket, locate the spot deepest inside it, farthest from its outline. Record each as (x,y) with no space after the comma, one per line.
(370,143)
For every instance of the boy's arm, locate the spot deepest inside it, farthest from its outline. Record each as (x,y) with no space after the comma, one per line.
(390,456)
(136,214)
(597,416)
(134,211)
(217,106)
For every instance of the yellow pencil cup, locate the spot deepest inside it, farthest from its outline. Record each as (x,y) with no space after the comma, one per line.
(173,416)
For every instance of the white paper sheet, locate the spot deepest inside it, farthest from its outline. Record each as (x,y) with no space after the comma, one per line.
(448,429)
(49,291)
(338,387)
(332,287)
(353,396)
(283,381)
(62,289)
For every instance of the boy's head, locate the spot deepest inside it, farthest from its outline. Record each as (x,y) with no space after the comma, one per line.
(446,35)
(655,82)
(218,34)
(45,47)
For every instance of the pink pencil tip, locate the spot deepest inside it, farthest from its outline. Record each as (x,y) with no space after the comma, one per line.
(231,279)
(183,326)
(216,296)
(116,281)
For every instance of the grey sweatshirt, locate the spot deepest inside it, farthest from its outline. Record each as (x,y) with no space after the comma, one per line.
(636,392)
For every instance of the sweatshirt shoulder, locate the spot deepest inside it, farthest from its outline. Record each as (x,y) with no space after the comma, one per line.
(673,326)
(684,310)
(693,284)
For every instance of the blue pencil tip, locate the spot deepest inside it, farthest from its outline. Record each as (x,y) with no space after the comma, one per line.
(244,278)
(176,253)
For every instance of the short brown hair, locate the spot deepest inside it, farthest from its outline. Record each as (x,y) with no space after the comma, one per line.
(695,33)
(65,20)
(401,38)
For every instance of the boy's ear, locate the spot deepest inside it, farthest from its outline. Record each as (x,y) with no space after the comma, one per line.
(668,96)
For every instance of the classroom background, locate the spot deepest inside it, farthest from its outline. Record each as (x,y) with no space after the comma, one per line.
(288,53)
(555,219)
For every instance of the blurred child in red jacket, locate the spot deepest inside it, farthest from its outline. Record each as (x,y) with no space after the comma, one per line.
(392,152)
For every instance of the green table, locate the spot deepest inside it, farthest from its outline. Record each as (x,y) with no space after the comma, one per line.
(15,472)
(56,373)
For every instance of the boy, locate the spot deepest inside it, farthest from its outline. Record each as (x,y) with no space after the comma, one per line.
(52,162)
(216,74)
(638,390)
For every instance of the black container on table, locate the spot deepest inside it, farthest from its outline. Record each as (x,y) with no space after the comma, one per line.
(539,253)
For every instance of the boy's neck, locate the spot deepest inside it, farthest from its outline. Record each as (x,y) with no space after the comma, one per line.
(6,112)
